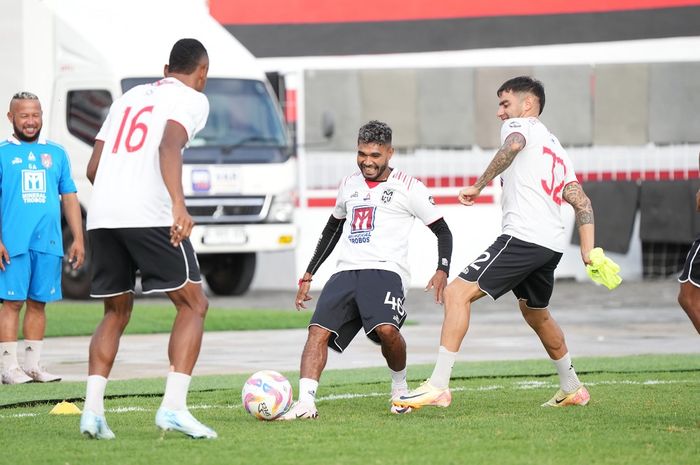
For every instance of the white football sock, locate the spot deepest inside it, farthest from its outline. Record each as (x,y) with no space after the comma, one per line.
(176,387)
(8,353)
(32,354)
(568,381)
(307,390)
(95,394)
(398,379)
(443,368)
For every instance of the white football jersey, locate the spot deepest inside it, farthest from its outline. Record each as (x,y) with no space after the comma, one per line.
(129,191)
(533,185)
(379,221)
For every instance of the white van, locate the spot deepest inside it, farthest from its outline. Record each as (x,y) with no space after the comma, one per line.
(239,174)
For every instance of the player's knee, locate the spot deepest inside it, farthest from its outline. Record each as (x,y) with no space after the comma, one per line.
(534,317)
(387,333)
(453,295)
(12,305)
(318,335)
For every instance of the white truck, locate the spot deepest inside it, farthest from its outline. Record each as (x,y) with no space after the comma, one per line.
(239,173)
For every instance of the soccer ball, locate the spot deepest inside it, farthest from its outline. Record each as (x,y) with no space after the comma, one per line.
(267,395)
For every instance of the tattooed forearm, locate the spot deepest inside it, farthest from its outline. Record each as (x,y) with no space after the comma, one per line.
(573,193)
(513,144)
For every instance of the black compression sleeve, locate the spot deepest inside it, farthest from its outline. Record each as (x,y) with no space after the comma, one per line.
(326,243)
(444,236)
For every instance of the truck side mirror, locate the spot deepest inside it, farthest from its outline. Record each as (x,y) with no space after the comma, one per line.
(327,124)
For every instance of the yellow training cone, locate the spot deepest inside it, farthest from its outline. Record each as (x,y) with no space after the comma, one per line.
(65,408)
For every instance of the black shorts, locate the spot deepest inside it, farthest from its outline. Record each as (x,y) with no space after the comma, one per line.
(116,254)
(511,264)
(351,300)
(691,269)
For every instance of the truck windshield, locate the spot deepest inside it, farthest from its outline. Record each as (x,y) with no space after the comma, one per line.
(241,114)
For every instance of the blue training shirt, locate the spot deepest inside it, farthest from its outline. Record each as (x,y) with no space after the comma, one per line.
(32,175)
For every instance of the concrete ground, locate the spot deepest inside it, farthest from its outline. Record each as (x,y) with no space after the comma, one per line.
(636,318)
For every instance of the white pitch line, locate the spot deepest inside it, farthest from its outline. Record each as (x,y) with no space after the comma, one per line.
(529,384)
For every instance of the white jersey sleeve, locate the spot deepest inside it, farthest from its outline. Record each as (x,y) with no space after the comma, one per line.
(422,203)
(192,116)
(340,211)
(513,125)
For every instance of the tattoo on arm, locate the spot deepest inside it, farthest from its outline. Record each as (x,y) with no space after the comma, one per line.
(573,193)
(513,144)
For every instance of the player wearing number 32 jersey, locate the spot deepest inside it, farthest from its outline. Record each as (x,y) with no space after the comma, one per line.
(537,175)
(533,185)
(138,220)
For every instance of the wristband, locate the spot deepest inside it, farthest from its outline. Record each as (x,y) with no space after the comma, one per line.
(302,280)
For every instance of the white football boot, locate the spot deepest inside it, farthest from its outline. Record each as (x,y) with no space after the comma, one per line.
(94,426)
(300,411)
(40,375)
(15,375)
(184,422)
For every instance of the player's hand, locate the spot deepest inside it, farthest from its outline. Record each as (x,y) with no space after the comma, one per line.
(76,255)
(303,294)
(4,256)
(182,224)
(468,195)
(438,282)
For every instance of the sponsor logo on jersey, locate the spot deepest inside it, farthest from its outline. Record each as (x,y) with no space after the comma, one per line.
(46,160)
(362,224)
(16,160)
(201,180)
(368,196)
(354,195)
(386,195)
(514,124)
(431,199)
(31,157)
(34,186)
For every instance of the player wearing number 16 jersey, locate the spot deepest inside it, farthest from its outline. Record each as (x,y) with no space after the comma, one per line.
(137,220)
(537,174)
(372,220)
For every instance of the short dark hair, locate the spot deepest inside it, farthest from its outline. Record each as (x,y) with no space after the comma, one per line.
(186,55)
(375,132)
(524,84)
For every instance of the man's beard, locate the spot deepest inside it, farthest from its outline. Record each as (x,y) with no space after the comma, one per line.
(20,135)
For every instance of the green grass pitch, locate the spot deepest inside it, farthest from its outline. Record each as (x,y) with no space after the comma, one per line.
(644,410)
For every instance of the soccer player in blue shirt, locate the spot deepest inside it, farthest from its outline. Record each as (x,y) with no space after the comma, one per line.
(34,181)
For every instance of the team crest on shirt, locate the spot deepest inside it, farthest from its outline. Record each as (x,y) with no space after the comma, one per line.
(362,224)
(386,195)
(46,160)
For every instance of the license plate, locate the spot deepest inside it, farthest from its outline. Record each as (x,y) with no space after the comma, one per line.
(224,235)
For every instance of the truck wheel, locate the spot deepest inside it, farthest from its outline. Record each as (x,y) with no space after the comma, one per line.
(75,284)
(231,274)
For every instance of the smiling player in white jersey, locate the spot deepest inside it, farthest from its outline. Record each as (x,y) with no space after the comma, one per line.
(537,174)
(138,220)
(372,220)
